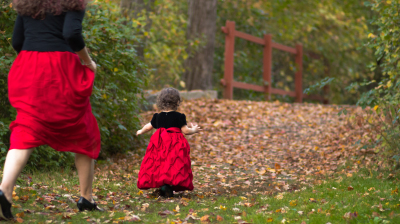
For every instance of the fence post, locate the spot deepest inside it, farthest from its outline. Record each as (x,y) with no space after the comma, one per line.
(299,73)
(229,59)
(267,66)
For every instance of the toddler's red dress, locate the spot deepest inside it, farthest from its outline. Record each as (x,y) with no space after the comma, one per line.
(167,158)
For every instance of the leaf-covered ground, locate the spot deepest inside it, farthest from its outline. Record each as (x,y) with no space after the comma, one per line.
(248,143)
(250,159)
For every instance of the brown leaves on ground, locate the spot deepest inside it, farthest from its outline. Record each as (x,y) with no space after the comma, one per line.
(245,148)
(258,146)
(205,218)
(350,215)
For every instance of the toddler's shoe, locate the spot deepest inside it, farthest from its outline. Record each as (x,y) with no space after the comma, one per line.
(166,191)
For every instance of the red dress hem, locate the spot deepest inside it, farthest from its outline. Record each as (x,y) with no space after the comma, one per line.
(167,161)
(51,93)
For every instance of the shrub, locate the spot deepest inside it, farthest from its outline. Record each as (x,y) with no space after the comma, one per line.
(385,98)
(120,78)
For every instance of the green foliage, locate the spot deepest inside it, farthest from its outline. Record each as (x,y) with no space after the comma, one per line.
(7,56)
(166,44)
(332,34)
(116,93)
(385,98)
(120,77)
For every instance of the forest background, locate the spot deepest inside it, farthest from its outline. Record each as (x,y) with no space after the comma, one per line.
(150,44)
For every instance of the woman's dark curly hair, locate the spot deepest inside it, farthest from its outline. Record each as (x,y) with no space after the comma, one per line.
(38,8)
(168,99)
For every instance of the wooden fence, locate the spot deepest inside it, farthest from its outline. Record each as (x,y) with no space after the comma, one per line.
(229,83)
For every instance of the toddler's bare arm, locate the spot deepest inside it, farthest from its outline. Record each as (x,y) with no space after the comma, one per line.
(148,127)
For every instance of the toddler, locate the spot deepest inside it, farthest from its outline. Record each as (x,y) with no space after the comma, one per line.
(166,164)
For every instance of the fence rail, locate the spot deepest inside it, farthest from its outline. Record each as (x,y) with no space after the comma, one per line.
(229,83)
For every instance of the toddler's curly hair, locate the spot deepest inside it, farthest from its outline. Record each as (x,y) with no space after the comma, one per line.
(168,99)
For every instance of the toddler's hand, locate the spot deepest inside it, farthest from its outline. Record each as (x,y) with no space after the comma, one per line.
(195,128)
(139,132)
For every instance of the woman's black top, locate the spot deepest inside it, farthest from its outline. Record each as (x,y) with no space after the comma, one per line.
(53,33)
(168,120)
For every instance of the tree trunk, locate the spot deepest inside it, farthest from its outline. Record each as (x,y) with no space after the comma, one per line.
(201,25)
(134,9)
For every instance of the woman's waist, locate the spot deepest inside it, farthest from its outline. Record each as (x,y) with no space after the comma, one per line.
(46,46)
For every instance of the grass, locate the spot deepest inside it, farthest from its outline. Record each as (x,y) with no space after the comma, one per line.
(364,197)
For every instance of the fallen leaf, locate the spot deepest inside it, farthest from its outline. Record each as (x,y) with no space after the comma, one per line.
(205,218)
(350,215)
(248,205)
(279,196)
(165,213)
(134,218)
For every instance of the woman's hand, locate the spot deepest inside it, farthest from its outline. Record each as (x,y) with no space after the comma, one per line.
(92,66)
(87,60)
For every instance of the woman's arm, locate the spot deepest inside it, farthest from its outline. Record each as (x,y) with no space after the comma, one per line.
(18,35)
(148,127)
(190,131)
(72,33)
(87,60)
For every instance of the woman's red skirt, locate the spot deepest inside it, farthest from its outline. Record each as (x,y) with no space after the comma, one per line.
(50,91)
(167,161)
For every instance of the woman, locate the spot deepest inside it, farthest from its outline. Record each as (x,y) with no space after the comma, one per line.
(50,89)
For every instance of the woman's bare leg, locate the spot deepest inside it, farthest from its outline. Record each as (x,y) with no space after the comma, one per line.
(15,161)
(85,166)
